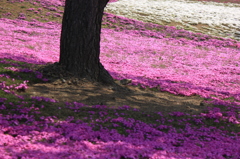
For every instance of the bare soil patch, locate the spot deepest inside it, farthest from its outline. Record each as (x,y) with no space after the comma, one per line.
(65,88)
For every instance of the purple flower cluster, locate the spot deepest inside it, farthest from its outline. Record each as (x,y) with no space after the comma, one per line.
(7,88)
(23,136)
(21,16)
(30,9)
(177,114)
(7,14)
(44,99)
(231,116)
(22,86)
(26,70)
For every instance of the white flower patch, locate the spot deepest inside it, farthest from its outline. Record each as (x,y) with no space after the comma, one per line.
(222,19)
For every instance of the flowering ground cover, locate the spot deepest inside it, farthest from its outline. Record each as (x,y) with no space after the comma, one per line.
(41,127)
(219,19)
(160,57)
(156,56)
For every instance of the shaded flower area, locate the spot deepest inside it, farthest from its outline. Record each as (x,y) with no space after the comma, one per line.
(26,136)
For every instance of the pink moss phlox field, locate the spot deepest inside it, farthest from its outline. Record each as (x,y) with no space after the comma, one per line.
(29,38)
(173,60)
(188,67)
(24,137)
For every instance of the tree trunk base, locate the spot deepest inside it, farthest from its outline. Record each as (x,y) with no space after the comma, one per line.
(56,71)
(105,77)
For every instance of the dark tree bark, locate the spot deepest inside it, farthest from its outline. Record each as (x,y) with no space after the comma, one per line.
(80,40)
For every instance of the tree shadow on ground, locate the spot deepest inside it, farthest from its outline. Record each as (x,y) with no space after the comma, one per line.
(64,87)
(70,89)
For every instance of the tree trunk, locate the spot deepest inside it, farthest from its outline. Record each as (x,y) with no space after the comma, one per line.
(80,40)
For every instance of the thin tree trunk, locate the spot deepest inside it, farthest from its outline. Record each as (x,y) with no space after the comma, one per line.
(80,39)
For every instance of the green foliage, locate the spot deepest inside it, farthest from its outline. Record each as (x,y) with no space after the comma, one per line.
(12,10)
